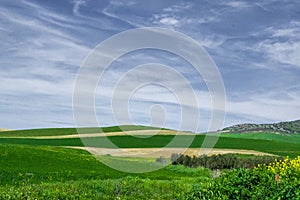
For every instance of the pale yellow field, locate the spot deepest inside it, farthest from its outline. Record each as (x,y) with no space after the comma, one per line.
(166,152)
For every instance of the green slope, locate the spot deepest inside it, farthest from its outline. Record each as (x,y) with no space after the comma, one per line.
(265,145)
(36,164)
(73,131)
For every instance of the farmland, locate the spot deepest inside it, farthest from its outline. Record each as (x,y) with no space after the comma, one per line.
(36,167)
(72,131)
(56,172)
(286,147)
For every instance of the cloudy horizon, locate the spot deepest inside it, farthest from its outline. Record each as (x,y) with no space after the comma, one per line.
(255,45)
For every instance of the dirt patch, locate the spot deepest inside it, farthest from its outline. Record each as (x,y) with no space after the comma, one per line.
(166,152)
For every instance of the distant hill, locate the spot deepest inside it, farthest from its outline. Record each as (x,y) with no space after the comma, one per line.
(3,129)
(73,131)
(292,127)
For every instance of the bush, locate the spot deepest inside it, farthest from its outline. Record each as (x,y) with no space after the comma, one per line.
(258,183)
(224,161)
(162,160)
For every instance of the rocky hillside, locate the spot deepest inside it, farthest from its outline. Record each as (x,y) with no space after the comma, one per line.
(292,127)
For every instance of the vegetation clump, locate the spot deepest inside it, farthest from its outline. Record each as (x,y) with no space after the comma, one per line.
(221,161)
(278,180)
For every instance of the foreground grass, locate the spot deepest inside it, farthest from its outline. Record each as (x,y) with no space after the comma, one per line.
(37,164)
(45,172)
(122,188)
(42,172)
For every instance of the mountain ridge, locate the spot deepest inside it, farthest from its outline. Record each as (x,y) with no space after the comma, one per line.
(289,127)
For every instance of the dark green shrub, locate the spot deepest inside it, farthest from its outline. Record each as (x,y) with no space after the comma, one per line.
(247,184)
(162,160)
(221,161)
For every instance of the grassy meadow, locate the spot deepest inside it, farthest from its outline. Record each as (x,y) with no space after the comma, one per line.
(286,147)
(37,168)
(73,131)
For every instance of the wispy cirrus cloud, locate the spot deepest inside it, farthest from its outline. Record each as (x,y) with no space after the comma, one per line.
(284,44)
(39,59)
(237,4)
(254,44)
(77,5)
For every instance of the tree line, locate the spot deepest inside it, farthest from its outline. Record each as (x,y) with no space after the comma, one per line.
(222,161)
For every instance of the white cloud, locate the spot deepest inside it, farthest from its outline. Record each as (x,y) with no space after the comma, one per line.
(41,50)
(269,106)
(77,5)
(178,7)
(45,42)
(281,47)
(169,21)
(174,21)
(290,31)
(122,3)
(237,4)
(211,41)
(177,15)
(286,32)
(18,21)
(282,52)
(39,59)
(284,44)
(52,17)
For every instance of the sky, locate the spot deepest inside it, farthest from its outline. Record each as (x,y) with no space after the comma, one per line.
(254,44)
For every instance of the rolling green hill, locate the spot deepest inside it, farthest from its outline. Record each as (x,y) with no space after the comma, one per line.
(283,148)
(279,144)
(41,163)
(73,131)
(43,172)
(42,168)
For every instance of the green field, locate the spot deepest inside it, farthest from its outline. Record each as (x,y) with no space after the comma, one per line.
(56,172)
(284,148)
(44,169)
(73,131)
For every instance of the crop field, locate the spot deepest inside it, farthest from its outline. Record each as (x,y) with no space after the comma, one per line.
(39,168)
(72,131)
(284,148)
(62,173)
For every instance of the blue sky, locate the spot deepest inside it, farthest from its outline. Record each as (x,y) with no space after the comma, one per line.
(256,46)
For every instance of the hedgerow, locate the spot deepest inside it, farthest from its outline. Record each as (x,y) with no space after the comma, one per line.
(225,161)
